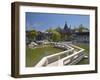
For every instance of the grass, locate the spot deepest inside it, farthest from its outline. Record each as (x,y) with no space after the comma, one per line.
(33,56)
(86,47)
(84,61)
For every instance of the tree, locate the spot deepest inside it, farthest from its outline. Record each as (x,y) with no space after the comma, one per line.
(56,36)
(49,30)
(81,28)
(32,34)
(58,29)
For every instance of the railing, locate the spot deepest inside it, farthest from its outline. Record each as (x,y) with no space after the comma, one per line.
(72,55)
(72,59)
(55,57)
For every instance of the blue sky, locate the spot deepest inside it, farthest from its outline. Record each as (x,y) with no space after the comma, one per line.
(44,21)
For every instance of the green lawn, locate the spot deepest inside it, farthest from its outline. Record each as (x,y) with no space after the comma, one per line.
(86,47)
(84,61)
(33,56)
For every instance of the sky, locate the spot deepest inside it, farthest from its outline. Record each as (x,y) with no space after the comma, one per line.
(44,21)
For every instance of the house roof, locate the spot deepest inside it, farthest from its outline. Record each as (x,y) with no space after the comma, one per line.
(81,33)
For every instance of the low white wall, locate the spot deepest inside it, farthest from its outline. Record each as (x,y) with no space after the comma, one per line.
(43,60)
(57,56)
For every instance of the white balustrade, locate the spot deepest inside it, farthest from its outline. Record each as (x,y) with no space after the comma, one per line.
(71,58)
(62,58)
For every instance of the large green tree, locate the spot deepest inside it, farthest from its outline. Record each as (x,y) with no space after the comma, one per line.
(56,36)
(32,35)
